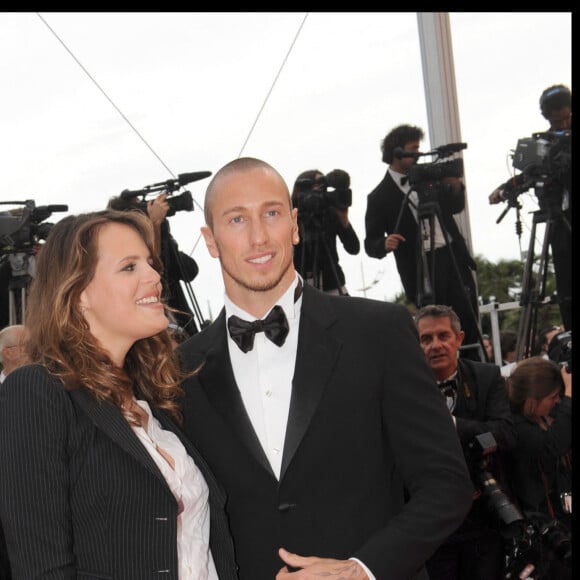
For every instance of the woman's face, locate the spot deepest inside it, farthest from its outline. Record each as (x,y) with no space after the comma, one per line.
(122,301)
(543,407)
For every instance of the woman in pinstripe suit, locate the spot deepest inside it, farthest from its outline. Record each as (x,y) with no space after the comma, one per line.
(96,480)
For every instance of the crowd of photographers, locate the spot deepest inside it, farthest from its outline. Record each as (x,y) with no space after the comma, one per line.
(515,429)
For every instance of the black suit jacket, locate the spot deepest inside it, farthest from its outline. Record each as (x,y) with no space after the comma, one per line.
(80,497)
(384,205)
(366,421)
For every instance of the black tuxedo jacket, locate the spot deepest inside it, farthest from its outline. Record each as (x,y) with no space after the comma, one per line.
(384,205)
(366,422)
(80,497)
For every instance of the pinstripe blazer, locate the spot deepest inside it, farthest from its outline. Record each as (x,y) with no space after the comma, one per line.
(80,497)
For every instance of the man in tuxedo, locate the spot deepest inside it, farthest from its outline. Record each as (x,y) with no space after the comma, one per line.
(394,223)
(477,399)
(322,421)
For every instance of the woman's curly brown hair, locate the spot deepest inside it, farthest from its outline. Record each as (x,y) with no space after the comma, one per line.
(60,338)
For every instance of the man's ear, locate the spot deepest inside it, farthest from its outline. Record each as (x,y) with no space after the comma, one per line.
(295,228)
(210,242)
(460,337)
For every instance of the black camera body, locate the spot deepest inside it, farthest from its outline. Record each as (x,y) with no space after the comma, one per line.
(182,202)
(315,196)
(426,172)
(560,349)
(19,233)
(427,178)
(478,453)
(545,160)
(529,539)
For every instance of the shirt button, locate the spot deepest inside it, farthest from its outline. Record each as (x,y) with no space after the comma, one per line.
(275,450)
(268,393)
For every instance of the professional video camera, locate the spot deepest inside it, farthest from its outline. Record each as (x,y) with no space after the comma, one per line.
(528,540)
(545,160)
(182,202)
(21,229)
(426,178)
(315,196)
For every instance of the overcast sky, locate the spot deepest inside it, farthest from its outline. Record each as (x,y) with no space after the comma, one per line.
(94,103)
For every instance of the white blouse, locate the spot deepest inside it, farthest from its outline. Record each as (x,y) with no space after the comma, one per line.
(190,490)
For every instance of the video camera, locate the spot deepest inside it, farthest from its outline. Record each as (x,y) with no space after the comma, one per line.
(21,229)
(182,202)
(545,160)
(528,540)
(426,178)
(315,196)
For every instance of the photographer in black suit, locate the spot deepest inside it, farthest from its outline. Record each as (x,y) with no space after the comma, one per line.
(392,225)
(555,193)
(322,203)
(478,402)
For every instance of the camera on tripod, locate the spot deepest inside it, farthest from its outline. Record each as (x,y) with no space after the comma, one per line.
(545,160)
(314,195)
(21,229)
(427,178)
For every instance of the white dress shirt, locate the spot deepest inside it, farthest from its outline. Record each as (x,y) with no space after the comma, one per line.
(413,203)
(264,376)
(190,490)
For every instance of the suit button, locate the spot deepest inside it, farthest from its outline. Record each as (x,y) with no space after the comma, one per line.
(284,507)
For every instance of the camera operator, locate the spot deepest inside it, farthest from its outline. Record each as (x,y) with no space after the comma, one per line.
(556,108)
(400,149)
(540,466)
(322,203)
(477,400)
(177,266)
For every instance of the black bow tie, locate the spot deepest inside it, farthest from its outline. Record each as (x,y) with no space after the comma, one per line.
(448,384)
(404,180)
(275,327)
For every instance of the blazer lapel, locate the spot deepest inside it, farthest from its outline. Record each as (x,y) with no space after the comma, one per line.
(317,354)
(217,379)
(109,419)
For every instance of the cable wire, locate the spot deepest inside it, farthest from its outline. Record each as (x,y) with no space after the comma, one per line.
(106,95)
(273,84)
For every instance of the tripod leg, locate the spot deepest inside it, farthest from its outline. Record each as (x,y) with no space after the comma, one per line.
(470,309)
(532,296)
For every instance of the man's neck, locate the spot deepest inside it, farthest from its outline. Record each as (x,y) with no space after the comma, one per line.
(259,302)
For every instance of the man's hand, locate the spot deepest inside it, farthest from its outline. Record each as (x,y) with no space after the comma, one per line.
(496,196)
(312,567)
(157,209)
(392,242)
(342,215)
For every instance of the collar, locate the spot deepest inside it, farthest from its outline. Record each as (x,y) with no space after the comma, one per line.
(290,302)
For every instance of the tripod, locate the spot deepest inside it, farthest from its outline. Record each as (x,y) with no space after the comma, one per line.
(426,212)
(18,282)
(314,248)
(533,292)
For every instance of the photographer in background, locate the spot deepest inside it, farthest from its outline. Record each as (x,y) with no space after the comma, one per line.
(540,466)
(322,203)
(477,400)
(555,192)
(392,225)
(177,266)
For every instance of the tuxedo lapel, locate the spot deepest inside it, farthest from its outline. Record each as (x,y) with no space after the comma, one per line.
(217,379)
(108,418)
(317,353)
